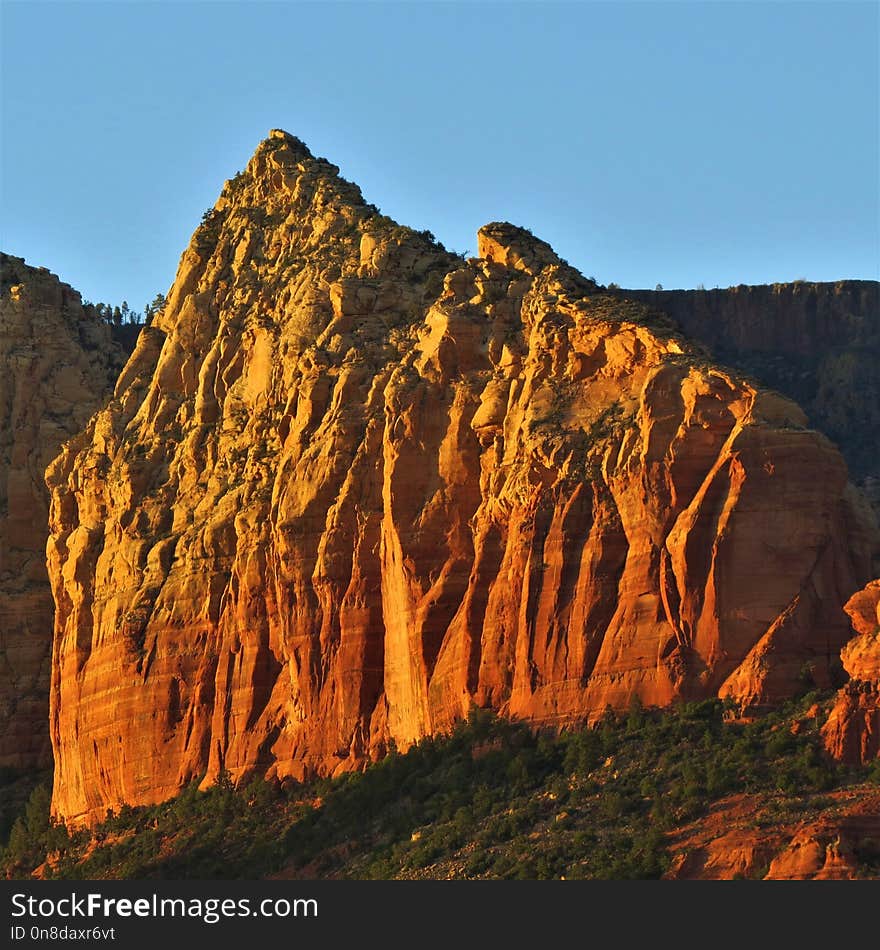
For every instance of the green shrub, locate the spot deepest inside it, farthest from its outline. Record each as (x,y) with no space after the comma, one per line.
(493,799)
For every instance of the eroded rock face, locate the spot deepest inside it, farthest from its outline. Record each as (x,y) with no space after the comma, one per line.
(351,485)
(57,365)
(852,731)
(816,342)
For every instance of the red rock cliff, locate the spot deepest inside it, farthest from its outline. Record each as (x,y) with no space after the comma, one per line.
(57,364)
(351,484)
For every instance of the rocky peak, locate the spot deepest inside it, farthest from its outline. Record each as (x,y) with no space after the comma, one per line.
(288,222)
(295,144)
(514,247)
(353,485)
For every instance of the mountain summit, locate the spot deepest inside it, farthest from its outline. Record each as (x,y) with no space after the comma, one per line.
(351,485)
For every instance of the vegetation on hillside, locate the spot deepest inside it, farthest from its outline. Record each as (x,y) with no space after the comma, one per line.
(492,800)
(122,315)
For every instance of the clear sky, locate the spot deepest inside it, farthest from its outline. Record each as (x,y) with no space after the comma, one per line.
(673,143)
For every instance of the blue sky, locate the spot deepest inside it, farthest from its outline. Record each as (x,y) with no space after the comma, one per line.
(673,143)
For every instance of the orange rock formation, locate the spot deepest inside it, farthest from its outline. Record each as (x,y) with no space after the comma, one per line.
(352,484)
(57,364)
(852,731)
(828,840)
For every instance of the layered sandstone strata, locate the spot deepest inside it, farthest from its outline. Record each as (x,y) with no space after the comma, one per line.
(351,485)
(57,365)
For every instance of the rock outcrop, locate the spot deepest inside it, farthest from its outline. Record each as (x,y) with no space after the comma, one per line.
(351,484)
(852,730)
(57,365)
(832,837)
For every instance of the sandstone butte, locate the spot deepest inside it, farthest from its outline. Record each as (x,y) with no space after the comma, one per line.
(351,484)
(57,365)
